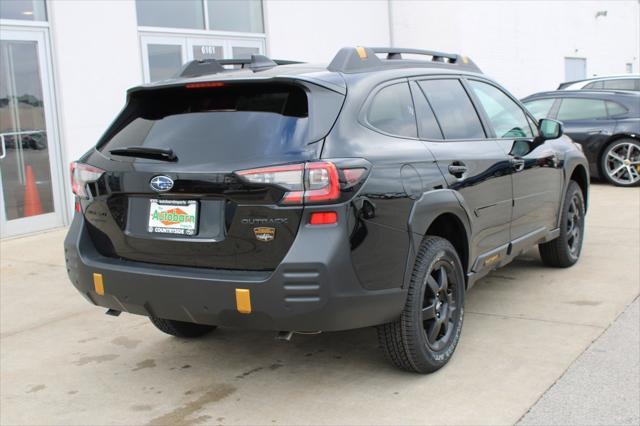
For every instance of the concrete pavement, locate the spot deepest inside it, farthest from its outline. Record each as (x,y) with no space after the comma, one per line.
(602,387)
(64,362)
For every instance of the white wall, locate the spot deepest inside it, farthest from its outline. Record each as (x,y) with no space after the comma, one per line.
(96,58)
(522,44)
(314,30)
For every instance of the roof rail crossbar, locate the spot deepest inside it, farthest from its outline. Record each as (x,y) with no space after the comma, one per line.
(396,53)
(359,59)
(256,63)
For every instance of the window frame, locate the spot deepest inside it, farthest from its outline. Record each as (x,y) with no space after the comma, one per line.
(459,78)
(483,114)
(364,109)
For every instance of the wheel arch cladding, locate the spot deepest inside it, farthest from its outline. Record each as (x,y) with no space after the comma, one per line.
(581,177)
(439,213)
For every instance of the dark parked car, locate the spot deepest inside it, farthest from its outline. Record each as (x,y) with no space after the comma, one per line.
(370,192)
(605,123)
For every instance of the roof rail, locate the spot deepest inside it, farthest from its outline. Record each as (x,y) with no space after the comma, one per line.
(359,59)
(256,63)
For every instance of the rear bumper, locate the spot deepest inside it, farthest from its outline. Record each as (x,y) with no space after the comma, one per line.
(314,288)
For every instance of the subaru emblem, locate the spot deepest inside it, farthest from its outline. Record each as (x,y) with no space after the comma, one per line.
(161,183)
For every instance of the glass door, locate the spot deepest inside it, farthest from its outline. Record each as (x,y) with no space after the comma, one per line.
(164,55)
(30,172)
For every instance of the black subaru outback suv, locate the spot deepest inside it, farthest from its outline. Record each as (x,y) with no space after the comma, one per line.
(371,192)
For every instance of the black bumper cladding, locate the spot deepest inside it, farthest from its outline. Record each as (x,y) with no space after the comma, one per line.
(314,288)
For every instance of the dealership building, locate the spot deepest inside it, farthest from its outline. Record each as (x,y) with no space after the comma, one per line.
(65,65)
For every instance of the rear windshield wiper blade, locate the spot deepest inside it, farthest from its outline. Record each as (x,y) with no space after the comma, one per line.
(144,152)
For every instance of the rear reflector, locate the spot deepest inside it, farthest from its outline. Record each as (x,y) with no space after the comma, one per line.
(243,300)
(323,218)
(98,283)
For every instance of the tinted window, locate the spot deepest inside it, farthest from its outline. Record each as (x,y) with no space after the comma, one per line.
(222,124)
(581,109)
(620,84)
(506,117)
(614,108)
(540,108)
(453,108)
(428,127)
(594,85)
(392,111)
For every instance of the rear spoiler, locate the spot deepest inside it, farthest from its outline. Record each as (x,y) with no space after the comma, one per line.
(256,63)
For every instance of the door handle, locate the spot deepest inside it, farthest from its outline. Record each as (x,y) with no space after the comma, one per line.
(517,163)
(457,169)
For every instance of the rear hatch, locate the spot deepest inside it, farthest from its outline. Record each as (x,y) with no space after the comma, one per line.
(169,191)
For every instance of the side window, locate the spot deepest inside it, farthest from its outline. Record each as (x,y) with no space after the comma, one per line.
(392,111)
(540,108)
(507,118)
(614,108)
(594,85)
(428,127)
(581,109)
(620,84)
(457,117)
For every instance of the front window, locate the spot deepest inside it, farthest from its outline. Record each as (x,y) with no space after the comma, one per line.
(540,108)
(506,117)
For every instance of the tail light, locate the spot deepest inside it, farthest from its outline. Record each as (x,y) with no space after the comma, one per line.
(81,175)
(308,183)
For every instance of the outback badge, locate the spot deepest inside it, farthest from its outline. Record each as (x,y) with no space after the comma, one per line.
(264,233)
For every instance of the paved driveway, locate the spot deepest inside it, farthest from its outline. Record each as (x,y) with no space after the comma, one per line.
(65,362)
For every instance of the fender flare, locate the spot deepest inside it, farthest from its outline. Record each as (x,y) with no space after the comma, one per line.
(424,212)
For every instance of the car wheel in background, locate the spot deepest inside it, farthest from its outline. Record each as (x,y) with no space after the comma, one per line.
(565,250)
(620,162)
(423,339)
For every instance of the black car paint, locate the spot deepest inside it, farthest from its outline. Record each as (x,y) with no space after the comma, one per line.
(340,277)
(595,134)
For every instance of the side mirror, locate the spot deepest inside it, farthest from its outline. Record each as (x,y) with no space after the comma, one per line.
(550,129)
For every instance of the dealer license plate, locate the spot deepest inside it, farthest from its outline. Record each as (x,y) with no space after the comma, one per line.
(178,217)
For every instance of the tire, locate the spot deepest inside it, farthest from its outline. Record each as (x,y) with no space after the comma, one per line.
(620,163)
(412,342)
(180,328)
(565,250)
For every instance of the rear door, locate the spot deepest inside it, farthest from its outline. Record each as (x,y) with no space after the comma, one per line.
(190,207)
(535,167)
(471,163)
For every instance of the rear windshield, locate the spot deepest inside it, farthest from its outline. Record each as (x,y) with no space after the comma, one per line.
(228,123)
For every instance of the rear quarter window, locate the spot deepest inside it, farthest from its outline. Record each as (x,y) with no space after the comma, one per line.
(392,111)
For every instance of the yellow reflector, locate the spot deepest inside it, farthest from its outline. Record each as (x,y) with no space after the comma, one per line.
(98,284)
(361,52)
(243,300)
(465,60)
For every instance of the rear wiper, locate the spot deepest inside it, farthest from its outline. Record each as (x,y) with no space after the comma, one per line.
(144,152)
